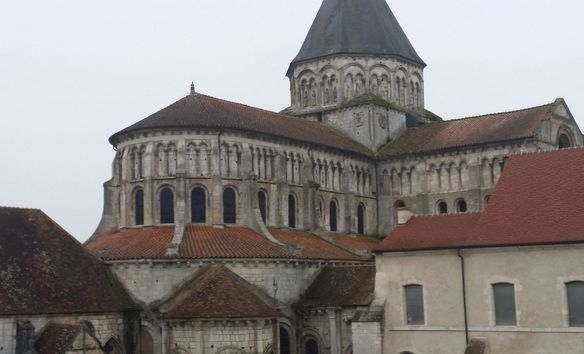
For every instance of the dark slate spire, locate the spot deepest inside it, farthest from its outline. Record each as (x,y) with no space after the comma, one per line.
(356,27)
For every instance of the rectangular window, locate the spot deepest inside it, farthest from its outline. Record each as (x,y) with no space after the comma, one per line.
(414,304)
(575,292)
(504,296)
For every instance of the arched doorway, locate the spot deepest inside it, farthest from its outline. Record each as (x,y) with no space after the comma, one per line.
(146,342)
(285,343)
(333,216)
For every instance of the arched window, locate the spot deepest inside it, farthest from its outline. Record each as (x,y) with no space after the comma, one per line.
(461,206)
(564,141)
(504,300)
(575,292)
(414,297)
(442,207)
(333,216)
(311,346)
(166,206)
(361,219)
(229,206)
(291,211)
(139,207)
(198,205)
(262,203)
(285,344)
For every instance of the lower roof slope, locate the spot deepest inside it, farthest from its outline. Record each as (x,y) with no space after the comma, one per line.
(208,242)
(216,292)
(44,270)
(341,286)
(538,200)
(57,338)
(486,129)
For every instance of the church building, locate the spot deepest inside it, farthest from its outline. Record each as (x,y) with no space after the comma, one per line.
(236,230)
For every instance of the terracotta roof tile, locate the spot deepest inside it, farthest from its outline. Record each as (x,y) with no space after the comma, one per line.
(217,292)
(341,286)
(201,111)
(230,242)
(133,243)
(485,129)
(44,270)
(430,232)
(311,246)
(357,243)
(538,200)
(207,242)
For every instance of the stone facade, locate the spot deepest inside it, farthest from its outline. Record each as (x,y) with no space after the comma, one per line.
(542,316)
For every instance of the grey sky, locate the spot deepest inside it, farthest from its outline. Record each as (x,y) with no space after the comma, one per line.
(72,73)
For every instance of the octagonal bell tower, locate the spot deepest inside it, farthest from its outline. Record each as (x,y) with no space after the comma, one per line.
(358,72)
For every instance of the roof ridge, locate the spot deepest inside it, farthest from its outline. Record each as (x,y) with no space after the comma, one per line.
(20,208)
(499,113)
(446,215)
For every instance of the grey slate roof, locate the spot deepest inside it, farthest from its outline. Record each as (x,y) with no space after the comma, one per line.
(356,27)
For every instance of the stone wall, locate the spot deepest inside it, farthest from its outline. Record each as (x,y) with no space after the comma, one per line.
(151,281)
(539,275)
(222,337)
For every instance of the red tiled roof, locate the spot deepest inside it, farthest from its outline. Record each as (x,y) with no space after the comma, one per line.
(57,338)
(311,246)
(538,200)
(201,111)
(230,242)
(207,242)
(485,129)
(217,292)
(430,232)
(44,270)
(133,243)
(356,243)
(341,286)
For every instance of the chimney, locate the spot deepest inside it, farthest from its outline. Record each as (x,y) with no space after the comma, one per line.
(404,215)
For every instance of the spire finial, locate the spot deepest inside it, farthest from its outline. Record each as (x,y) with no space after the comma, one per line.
(192,88)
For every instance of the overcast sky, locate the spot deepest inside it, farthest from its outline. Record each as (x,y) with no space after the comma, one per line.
(72,73)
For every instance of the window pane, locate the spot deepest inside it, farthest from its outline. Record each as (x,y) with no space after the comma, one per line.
(139,207)
(291,211)
(504,295)
(333,216)
(229,206)
(166,206)
(198,205)
(576,303)
(414,304)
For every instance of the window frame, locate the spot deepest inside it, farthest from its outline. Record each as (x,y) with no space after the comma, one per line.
(163,213)
(235,211)
(204,207)
(498,321)
(569,313)
(406,306)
